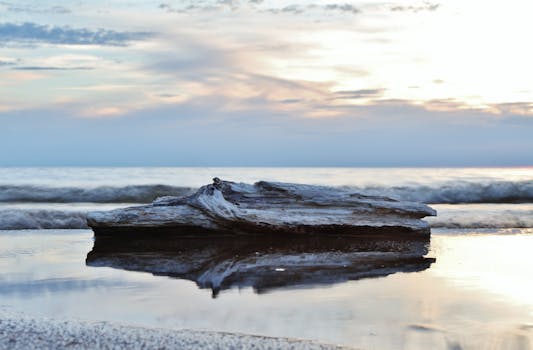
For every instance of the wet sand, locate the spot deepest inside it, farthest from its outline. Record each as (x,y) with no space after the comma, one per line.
(20,332)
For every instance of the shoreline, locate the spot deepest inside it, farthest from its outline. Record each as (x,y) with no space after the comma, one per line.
(25,332)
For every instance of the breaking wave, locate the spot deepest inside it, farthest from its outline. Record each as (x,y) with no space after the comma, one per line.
(449,193)
(459,192)
(104,194)
(34,219)
(474,216)
(448,217)
(460,204)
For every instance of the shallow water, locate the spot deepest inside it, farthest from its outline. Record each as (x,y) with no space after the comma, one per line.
(476,295)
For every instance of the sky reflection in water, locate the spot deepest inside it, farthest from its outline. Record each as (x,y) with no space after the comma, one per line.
(476,294)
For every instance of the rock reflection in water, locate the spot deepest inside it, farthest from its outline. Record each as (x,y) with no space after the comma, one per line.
(262,262)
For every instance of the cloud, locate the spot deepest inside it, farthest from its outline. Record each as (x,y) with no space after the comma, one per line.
(50,68)
(35,33)
(256,5)
(297,9)
(517,108)
(416,8)
(189,8)
(291,100)
(34,9)
(203,6)
(342,7)
(63,62)
(7,63)
(357,94)
(292,9)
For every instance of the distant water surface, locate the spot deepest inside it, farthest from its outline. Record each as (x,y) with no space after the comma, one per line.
(195,177)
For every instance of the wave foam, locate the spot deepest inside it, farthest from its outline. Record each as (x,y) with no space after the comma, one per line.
(459,192)
(470,216)
(482,216)
(449,193)
(105,194)
(26,219)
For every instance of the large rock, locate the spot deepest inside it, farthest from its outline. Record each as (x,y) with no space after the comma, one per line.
(267,207)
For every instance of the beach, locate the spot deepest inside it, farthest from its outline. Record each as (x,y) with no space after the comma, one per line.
(20,332)
(266,174)
(474,294)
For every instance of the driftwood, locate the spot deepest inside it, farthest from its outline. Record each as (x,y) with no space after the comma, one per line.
(267,208)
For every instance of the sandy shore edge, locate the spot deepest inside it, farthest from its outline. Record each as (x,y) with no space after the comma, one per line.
(26,332)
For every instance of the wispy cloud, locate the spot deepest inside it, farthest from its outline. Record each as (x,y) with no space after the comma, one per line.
(4,63)
(257,5)
(517,108)
(35,8)
(342,7)
(426,6)
(65,62)
(296,9)
(358,94)
(36,33)
(51,68)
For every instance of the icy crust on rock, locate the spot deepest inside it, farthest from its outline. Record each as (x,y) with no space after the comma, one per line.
(268,206)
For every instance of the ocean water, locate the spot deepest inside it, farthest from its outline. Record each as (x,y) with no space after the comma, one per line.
(48,198)
(468,287)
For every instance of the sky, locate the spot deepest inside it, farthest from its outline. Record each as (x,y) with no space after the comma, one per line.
(266,83)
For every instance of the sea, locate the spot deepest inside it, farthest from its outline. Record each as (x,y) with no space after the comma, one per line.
(58,198)
(476,293)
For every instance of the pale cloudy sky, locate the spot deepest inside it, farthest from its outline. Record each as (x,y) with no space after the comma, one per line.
(266,82)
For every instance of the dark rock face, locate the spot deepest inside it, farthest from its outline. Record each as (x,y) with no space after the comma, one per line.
(262,262)
(268,208)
